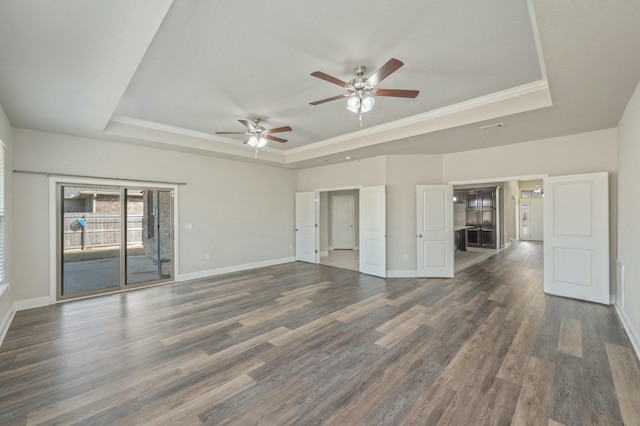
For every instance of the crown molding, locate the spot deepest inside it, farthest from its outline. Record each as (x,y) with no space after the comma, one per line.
(518,99)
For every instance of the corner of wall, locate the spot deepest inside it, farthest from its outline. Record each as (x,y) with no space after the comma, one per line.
(7,310)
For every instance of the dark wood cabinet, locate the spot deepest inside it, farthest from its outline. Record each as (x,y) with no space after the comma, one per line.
(473,237)
(461,239)
(481,217)
(472,200)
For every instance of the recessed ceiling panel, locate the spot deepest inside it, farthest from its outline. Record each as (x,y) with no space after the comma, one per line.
(212,63)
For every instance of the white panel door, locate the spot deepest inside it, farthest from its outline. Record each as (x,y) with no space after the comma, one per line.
(373,231)
(306,227)
(576,236)
(434,231)
(342,222)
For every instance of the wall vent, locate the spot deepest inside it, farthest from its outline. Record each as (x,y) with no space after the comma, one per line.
(491,127)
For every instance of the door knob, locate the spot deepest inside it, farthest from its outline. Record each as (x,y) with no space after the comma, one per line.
(419,235)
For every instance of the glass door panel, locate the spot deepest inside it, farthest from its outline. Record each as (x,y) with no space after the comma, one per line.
(165,234)
(141,264)
(90,239)
(149,224)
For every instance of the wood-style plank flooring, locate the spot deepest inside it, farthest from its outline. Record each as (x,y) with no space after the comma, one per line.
(311,344)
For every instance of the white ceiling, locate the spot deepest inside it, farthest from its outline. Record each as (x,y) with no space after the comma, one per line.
(170,74)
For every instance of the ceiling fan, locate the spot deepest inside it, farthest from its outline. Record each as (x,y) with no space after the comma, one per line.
(258,135)
(361,91)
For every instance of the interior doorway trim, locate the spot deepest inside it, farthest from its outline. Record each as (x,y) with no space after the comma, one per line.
(352,232)
(54,181)
(498,179)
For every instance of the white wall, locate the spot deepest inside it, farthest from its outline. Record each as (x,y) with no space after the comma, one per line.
(510,197)
(242,213)
(628,218)
(6,299)
(367,172)
(404,172)
(400,174)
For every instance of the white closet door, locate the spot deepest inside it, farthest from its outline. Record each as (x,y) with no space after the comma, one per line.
(373,231)
(434,231)
(306,227)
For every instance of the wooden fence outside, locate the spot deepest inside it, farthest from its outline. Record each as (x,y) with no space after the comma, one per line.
(102,231)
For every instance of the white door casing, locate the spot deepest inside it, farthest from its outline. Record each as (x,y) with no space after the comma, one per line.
(342,218)
(373,230)
(434,231)
(576,237)
(306,227)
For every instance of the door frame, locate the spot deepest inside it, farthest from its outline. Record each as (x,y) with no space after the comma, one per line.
(332,189)
(54,181)
(353,221)
(497,180)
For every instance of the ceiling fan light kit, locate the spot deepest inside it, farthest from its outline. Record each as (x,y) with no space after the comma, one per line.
(361,92)
(258,135)
(257,142)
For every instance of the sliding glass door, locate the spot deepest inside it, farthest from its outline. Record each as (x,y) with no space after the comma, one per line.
(113,237)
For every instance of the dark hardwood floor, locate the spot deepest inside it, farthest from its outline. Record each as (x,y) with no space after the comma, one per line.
(312,344)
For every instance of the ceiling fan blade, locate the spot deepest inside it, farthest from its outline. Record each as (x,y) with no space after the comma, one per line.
(231,133)
(328,99)
(279,129)
(327,77)
(398,93)
(248,125)
(273,138)
(384,71)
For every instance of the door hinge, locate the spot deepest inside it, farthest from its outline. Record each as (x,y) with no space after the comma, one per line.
(316,251)
(316,225)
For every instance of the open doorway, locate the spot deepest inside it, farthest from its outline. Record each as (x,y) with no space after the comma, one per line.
(478,229)
(516,210)
(370,223)
(339,229)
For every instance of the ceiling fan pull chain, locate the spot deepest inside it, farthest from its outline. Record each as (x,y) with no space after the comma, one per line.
(360,117)
(256,154)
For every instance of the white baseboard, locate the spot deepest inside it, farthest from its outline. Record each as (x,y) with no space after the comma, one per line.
(631,332)
(402,273)
(330,248)
(324,253)
(6,322)
(235,268)
(36,302)
(507,244)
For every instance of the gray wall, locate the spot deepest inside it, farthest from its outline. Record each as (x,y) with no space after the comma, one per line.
(6,297)
(628,224)
(241,212)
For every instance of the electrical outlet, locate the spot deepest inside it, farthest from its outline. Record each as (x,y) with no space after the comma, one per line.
(207,256)
(188,226)
(406,256)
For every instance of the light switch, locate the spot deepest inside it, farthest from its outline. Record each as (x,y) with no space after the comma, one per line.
(188,226)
